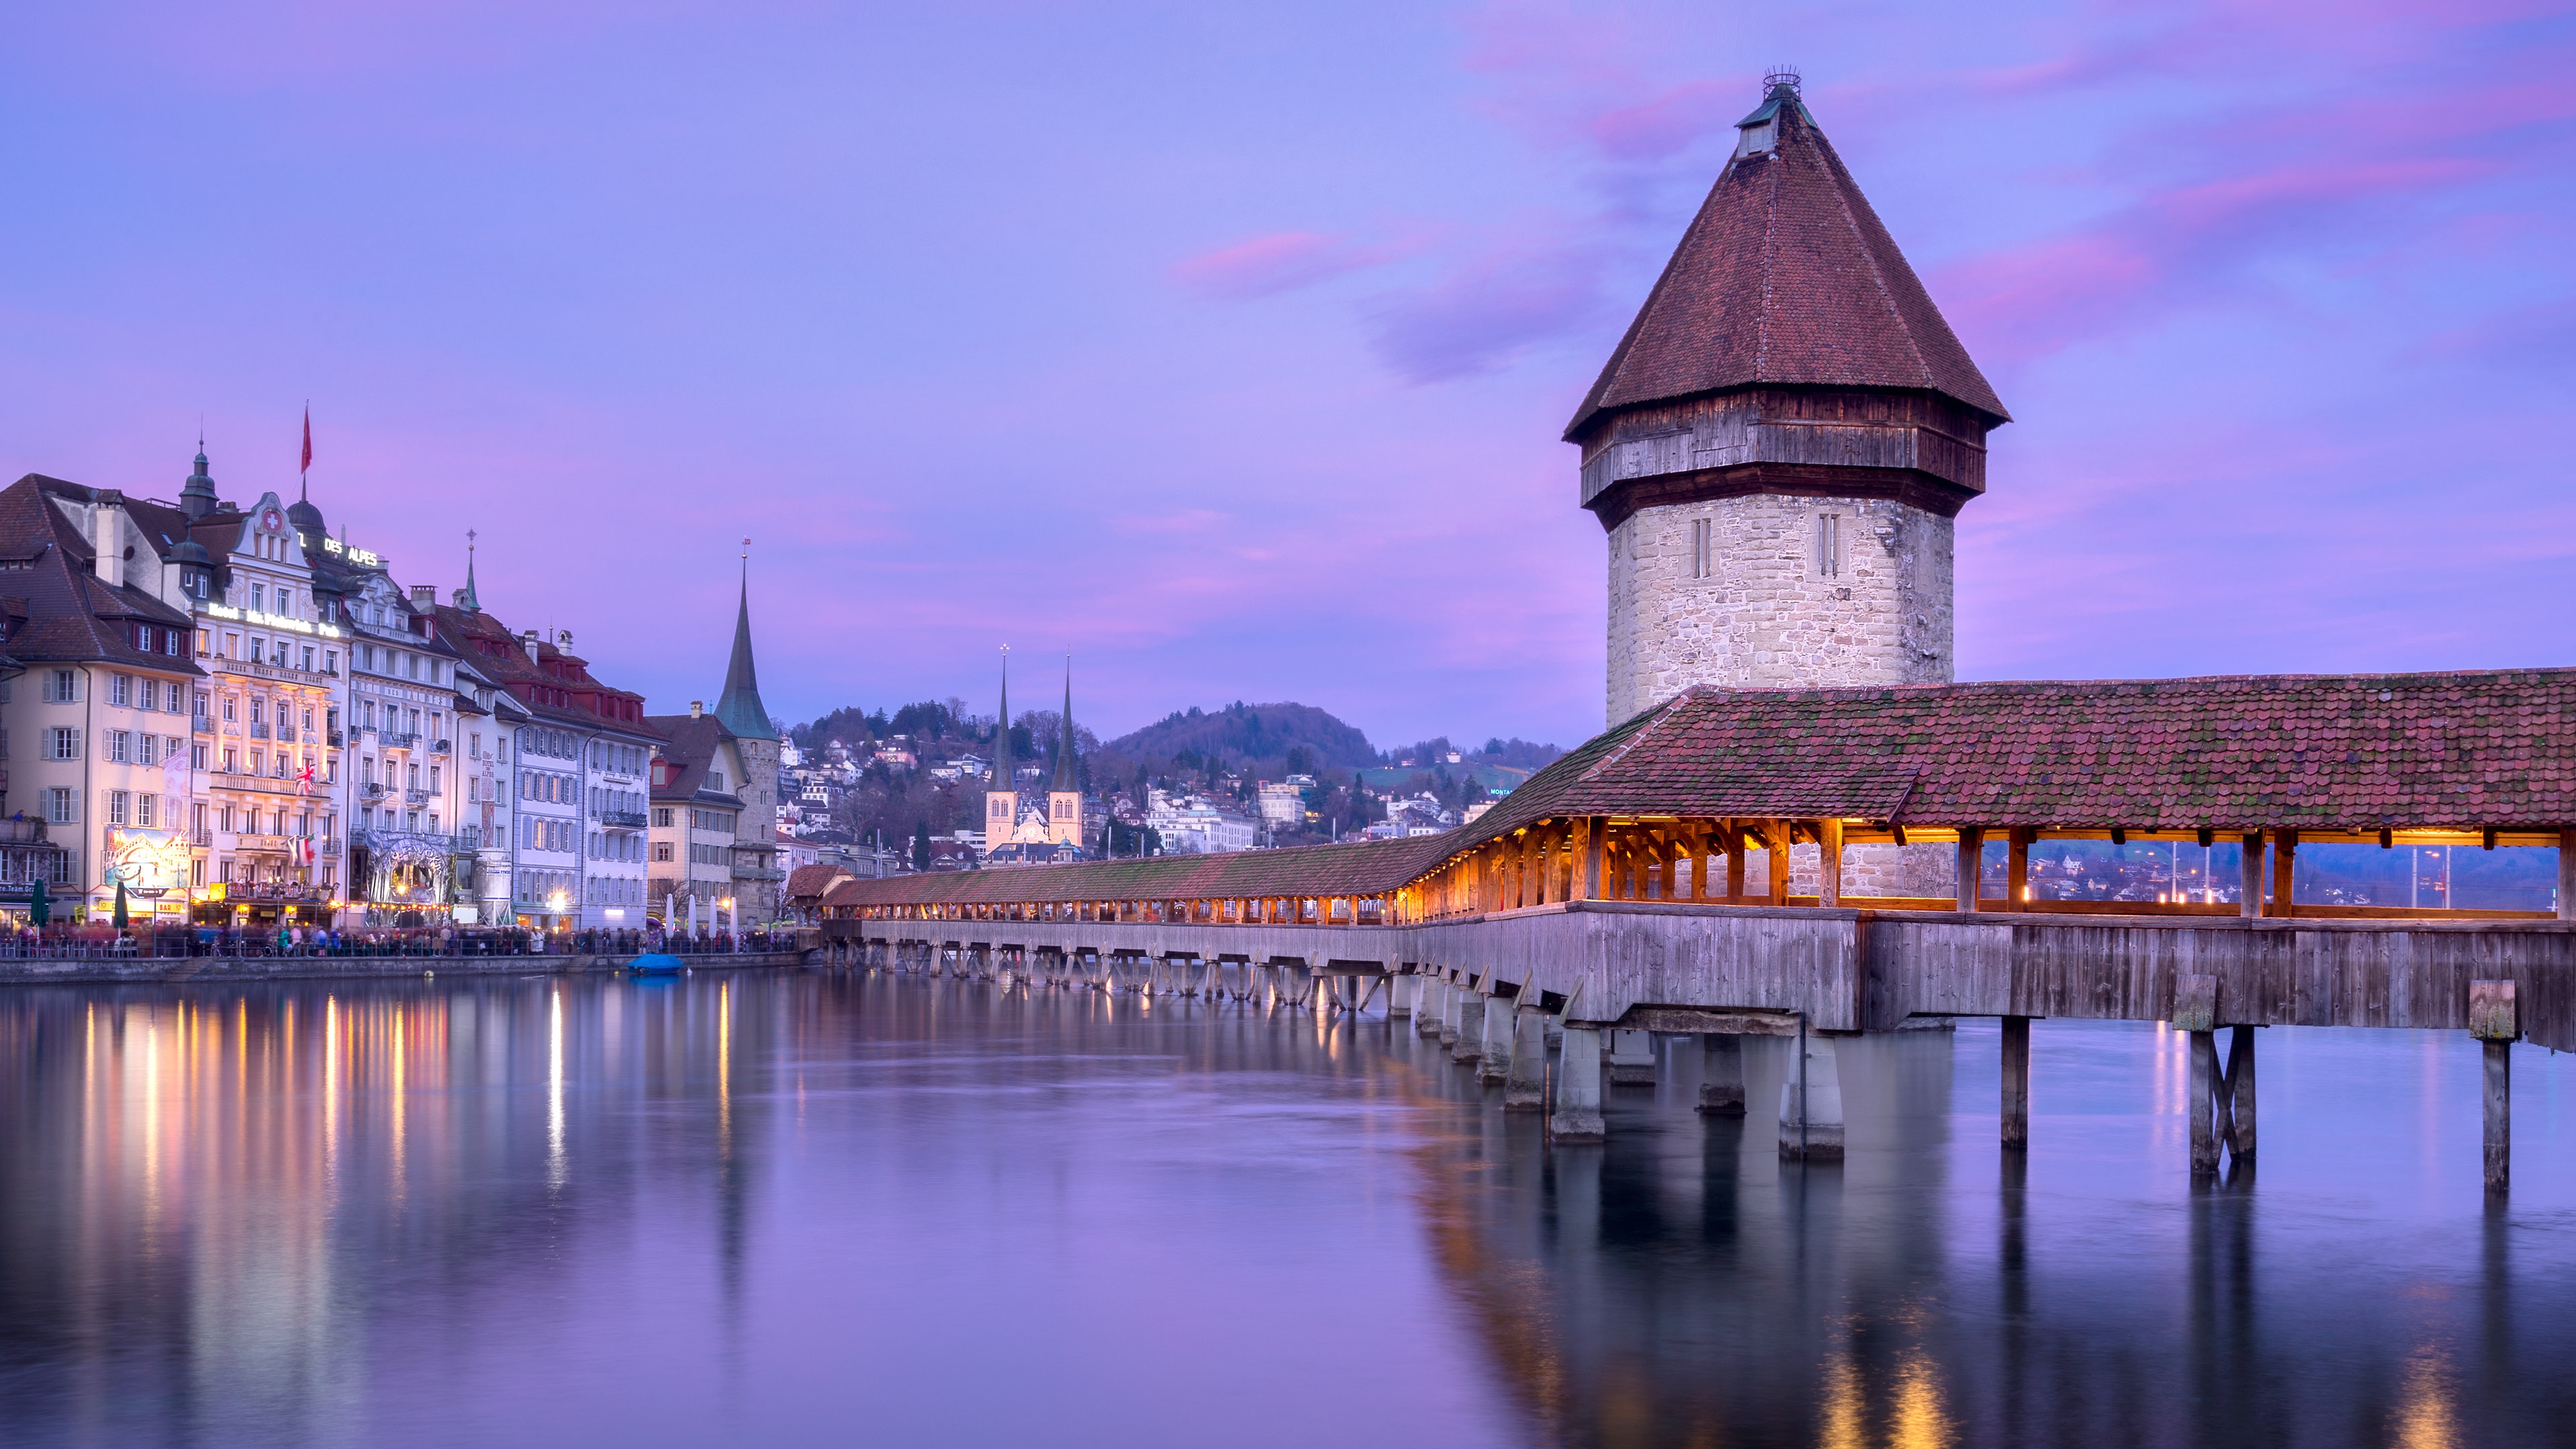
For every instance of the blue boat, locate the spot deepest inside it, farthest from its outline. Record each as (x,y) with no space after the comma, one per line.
(657,963)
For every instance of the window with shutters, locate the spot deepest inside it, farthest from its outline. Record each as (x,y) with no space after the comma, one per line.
(62,686)
(62,743)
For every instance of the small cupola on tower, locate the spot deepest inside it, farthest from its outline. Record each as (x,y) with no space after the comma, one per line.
(197,495)
(1778,445)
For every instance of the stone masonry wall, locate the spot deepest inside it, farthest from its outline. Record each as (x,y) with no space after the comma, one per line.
(1766,617)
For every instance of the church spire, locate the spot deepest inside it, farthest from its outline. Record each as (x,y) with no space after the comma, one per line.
(1002,770)
(1064,772)
(466,599)
(739,706)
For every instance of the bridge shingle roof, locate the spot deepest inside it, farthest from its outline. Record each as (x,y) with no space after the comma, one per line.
(2462,751)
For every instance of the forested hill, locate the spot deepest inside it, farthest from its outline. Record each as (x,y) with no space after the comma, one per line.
(1242,732)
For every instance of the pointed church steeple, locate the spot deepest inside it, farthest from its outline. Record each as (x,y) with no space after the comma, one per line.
(1064,763)
(1003,773)
(739,706)
(466,599)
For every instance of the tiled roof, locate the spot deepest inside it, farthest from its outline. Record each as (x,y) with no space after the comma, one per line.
(1786,277)
(509,665)
(2464,751)
(806,882)
(690,742)
(71,613)
(1363,868)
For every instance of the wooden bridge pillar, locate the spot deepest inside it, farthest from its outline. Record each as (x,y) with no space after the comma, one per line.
(2017,869)
(2016,1102)
(1578,1087)
(1734,864)
(1399,994)
(1721,1086)
(1829,862)
(2252,904)
(1972,859)
(2202,1103)
(2240,1093)
(2566,875)
(2495,1022)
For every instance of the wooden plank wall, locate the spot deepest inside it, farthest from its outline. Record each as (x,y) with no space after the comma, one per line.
(1851,970)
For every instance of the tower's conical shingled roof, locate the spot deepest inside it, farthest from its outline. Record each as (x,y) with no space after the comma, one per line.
(1786,277)
(739,706)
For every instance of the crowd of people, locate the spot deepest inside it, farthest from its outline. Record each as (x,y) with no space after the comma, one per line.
(295,940)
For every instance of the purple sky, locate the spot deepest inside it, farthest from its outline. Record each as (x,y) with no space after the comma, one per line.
(1228,348)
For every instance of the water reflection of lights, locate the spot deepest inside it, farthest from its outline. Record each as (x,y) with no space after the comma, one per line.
(555,1164)
(2425,1418)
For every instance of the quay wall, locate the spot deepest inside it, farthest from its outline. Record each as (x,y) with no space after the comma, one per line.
(44,971)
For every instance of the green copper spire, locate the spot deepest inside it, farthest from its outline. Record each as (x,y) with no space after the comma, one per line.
(470,601)
(740,707)
(1064,776)
(1002,770)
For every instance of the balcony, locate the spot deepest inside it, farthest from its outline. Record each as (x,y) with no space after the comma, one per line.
(622,819)
(401,742)
(440,747)
(402,842)
(335,739)
(258,730)
(22,832)
(204,726)
(418,797)
(758,872)
(371,791)
(202,839)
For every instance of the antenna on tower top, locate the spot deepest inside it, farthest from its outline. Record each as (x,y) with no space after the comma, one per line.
(1783,78)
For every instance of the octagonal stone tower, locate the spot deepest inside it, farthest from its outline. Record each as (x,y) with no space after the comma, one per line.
(1781,441)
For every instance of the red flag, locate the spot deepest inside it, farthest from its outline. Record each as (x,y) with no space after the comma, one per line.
(307,466)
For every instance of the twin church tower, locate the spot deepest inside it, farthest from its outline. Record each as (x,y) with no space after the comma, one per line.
(1033,831)
(1778,446)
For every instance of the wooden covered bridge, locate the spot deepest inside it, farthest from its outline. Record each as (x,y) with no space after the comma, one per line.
(1701,869)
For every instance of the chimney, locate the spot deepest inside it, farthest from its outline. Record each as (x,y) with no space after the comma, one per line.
(528,638)
(460,600)
(107,522)
(424,597)
(563,639)
(697,708)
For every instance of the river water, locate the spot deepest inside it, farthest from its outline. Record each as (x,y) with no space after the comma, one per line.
(788,1208)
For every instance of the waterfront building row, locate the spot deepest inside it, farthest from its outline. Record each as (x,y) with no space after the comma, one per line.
(241,719)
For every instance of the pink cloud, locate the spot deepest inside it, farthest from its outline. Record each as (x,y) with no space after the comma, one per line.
(1654,129)
(1280,262)
(1485,313)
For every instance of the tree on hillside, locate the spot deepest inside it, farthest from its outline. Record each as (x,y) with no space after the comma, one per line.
(921,846)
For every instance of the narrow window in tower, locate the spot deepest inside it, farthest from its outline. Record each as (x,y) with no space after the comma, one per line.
(1700,528)
(1829,545)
